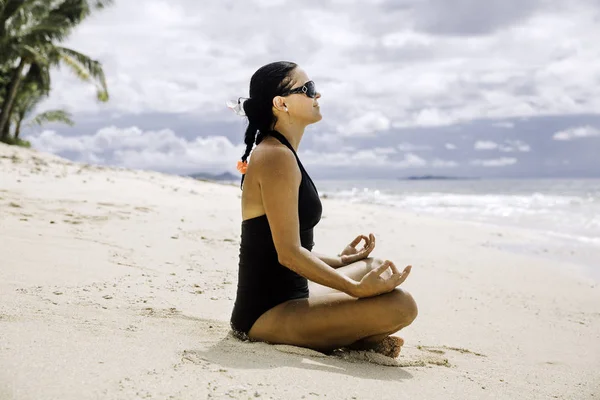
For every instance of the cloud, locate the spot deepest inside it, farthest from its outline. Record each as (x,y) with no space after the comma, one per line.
(450,146)
(506,125)
(372,158)
(411,160)
(509,146)
(446,63)
(133,148)
(468,17)
(413,147)
(164,151)
(384,150)
(437,163)
(366,125)
(327,141)
(515,145)
(577,133)
(498,162)
(485,145)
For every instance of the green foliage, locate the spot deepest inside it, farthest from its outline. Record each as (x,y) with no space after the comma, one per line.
(16,142)
(30,35)
(52,116)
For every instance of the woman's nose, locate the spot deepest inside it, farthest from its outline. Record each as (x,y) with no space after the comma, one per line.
(318,96)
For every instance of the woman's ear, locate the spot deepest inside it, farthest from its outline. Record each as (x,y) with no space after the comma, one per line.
(279,104)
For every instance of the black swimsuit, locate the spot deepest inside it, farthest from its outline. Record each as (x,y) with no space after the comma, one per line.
(263,282)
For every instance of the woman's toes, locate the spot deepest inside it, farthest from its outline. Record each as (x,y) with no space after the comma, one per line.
(390,346)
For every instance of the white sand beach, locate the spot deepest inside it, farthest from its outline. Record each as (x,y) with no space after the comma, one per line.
(118,284)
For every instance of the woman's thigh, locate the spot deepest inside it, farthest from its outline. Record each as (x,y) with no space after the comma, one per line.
(329,321)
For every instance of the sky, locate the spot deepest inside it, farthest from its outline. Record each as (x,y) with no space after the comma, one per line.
(496,88)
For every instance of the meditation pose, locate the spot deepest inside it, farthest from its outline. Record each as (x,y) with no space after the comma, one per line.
(286,293)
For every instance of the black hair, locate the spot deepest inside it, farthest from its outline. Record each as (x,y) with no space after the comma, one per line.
(268,81)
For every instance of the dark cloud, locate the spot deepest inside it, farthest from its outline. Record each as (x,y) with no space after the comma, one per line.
(472,17)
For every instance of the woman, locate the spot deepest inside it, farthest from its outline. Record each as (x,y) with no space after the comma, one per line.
(353,300)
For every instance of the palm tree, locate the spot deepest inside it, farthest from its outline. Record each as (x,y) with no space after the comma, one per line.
(28,98)
(30,31)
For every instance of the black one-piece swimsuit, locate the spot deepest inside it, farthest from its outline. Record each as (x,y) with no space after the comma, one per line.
(263,282)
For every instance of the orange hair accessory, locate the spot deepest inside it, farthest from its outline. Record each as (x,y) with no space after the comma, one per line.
(242,166)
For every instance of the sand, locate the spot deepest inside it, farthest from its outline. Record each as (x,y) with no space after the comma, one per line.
(118,284)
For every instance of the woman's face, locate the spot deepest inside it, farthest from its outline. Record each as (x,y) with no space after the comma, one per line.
(299,106)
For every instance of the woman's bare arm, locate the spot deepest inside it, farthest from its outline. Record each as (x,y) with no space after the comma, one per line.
(279,178)
(333,262)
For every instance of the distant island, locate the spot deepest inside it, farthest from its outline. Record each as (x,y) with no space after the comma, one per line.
(225,176)
(435,178)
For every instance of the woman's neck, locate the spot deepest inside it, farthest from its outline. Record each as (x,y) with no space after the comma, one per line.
(293,133)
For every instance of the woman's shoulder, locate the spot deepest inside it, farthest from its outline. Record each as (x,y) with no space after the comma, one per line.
(270,162)
(269,152)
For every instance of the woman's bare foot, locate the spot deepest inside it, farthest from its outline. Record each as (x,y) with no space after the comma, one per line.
(389,347)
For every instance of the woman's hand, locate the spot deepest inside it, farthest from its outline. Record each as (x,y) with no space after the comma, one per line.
(352,254)
(372,284)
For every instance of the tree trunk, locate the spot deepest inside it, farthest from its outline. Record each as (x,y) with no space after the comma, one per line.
(18,127)
(10,97)
(6,133)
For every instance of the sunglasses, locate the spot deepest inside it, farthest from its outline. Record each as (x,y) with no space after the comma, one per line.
(308,89)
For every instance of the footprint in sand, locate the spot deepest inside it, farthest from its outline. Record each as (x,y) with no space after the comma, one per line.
(167,313)
(72,222)
(437,350)
(160,313)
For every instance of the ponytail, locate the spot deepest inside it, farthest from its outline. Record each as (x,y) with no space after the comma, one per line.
(249,139)
(269,81)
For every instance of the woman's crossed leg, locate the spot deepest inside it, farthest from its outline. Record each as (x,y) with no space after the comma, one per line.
(330,319)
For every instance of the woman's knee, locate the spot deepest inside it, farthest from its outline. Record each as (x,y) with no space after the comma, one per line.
(403,308)
(373,262)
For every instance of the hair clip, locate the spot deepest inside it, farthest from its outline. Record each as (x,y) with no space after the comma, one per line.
(242,167)
(237,107)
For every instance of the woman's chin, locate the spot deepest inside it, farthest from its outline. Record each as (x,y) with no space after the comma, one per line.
(318,116)
(315,117)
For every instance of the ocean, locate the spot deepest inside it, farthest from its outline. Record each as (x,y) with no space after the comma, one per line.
(564,209)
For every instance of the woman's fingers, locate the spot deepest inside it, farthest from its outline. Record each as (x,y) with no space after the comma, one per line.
(394,269)
(369,243)
(398,277)
(356,241)
(376,284)
(352,254)
(404,274)
(367,248)
(381,269)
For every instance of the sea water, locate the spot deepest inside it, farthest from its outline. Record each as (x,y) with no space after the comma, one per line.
(562,214)
(566,208)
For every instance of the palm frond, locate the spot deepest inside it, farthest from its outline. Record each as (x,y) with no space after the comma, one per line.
(35,54)
(100,4)
(39,76)
(61,116)
(14,15)
(8,8)
(86,68)
(13,9)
